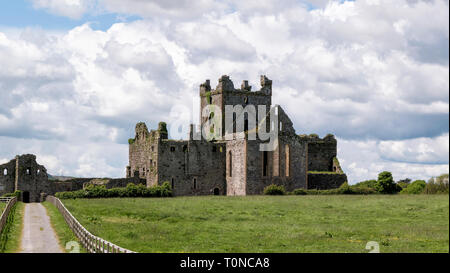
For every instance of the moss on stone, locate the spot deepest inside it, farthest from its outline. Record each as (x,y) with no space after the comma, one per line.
(131,141)
(162,127)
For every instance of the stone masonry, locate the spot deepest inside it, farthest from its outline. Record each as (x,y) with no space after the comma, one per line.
(235,166)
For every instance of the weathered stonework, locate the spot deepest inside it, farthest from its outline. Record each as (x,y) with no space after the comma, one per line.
(234,166)
(24,174)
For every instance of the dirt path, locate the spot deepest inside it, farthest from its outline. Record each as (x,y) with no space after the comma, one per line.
(38,235)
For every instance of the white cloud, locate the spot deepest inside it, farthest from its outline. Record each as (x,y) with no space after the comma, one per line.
(71,8)
(419,150)
(375,73)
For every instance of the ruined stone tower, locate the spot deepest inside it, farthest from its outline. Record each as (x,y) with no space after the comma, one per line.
(24,174)
(231,162)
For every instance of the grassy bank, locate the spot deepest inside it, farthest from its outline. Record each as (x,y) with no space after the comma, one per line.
(12,232)
(337,223)
(61,228)
(2,206)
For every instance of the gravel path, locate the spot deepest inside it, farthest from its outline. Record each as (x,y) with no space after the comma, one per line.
(38,235)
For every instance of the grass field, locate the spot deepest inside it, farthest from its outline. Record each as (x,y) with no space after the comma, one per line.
(61,228)
(2,206)
(337,223)
(10,237)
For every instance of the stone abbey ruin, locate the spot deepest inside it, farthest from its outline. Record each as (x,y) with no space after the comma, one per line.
(229,163)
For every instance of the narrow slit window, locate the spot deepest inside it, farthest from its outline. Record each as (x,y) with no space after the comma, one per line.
(265,163)
(287,160)
(230,164)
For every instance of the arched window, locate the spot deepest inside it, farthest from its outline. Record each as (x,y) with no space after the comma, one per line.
(28,171)
(173,183)
(195,183)
(5,172)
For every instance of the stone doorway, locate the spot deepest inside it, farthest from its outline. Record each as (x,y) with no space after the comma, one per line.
(26,197)
(216,191)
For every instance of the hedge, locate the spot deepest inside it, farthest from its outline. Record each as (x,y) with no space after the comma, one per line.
(131,190)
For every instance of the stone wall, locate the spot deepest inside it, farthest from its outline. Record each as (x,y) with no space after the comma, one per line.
(325,181)
(236,167)
(7,177)
(320,152)
(192,167)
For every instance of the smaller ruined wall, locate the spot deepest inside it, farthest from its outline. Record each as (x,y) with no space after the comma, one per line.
(321,153)
(7,177)
(79,183)
(325,181)
(123,182)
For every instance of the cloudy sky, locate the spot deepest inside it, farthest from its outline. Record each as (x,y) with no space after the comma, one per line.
(76,75)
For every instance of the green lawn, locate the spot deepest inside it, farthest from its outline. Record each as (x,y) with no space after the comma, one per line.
(12,232)
(335,223)
(2,206)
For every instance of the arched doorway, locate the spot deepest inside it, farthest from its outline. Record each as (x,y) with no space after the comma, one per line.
(26,197)
(216,191)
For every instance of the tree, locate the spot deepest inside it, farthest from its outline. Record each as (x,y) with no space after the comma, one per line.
(415,187)
(386,184)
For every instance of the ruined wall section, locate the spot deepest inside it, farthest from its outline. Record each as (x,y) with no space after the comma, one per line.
(32,178)
(326,181)
(7,177)
(321,153)
(143,153)
(192,167)
(236,167)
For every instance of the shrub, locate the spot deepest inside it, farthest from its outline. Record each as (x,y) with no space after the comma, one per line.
(415,187)
(131,190)
(16,193)
(437,185)
(299,192)
(366,183)
(274,190)
(386,184)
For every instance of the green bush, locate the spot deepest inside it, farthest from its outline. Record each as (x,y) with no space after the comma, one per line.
(13,194)
(131,190)
(386,184)
(299,192)
(366,184)
(437,185)
(415,187)
(274,190)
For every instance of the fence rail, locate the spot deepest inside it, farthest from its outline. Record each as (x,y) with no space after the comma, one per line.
(4,217)
(91,243)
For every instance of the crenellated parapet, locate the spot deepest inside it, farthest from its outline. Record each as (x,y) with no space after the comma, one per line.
(311,138)
(225,84)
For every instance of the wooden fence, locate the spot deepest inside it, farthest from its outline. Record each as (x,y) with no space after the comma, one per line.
(91,243)
(10,203)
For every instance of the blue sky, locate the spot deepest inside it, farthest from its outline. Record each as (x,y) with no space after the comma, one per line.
(77,75)
(21,14)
